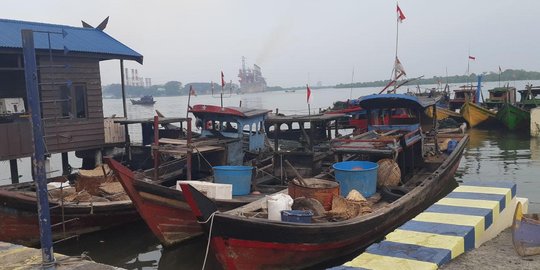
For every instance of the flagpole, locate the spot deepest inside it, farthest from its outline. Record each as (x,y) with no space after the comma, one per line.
(499,76)
(188,101)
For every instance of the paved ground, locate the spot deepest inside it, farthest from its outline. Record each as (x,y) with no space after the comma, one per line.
(497,253)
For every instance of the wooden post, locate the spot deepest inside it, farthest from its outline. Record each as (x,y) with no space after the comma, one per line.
(14,171)
(66,168)
(156,147)
(189,150)
(38,158)
(124,106)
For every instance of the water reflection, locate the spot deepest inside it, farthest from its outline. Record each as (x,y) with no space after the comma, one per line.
(495,155)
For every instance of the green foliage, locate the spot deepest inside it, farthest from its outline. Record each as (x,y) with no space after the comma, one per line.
(507,75)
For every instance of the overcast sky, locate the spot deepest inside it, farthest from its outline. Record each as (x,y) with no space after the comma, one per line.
(299,40)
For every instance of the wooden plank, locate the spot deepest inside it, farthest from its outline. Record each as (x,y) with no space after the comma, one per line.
(173,141)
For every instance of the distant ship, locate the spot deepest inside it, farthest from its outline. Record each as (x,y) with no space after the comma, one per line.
(251,80)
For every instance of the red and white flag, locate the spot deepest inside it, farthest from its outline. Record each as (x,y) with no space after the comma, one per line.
(222,80)
(400,14)
(192,91)
(472,57)
(308,94)
(398,68)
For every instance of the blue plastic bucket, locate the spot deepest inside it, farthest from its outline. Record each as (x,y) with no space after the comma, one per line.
(299,216)
(359,175)
(451,146)
(238,176)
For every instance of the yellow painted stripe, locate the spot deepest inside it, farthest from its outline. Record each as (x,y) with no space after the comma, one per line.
(489,190)
(477,222)
(379,262)
(493,205)
(456,244)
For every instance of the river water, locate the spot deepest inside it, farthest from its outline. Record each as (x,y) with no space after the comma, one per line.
(492,155)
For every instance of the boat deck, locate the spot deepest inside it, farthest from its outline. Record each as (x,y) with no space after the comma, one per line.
(19,257)
(470,215)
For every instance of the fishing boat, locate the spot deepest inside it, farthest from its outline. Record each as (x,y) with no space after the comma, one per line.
(529,97)
(356,117)
(526,232)
(463,94)
(144,100)
(243,238)
(84,207)
(513,117)
(223,130)
(499,96)
(475,114)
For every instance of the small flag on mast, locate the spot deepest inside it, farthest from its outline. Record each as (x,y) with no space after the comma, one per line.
(308,93)
(500,70)
(472,57)
(192,91)
(399,68)
(222,80)
(400,14)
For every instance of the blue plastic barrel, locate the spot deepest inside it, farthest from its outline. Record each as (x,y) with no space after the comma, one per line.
(451,146)
(359,175)
(238,176)
(299,216)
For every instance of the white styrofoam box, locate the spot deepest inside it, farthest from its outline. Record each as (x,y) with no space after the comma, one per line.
(12,105)
(211,190)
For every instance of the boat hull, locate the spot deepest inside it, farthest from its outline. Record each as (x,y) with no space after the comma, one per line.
(526,232)
(476,115)
(442,113)
(513,117)
(164,209)
(251,243)
(19,221)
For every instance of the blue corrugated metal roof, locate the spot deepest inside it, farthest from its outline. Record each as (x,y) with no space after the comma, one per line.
(78,39)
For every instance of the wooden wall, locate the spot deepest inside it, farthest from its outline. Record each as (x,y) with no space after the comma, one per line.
(62,135)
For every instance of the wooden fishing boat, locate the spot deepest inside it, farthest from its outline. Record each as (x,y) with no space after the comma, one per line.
(463,94)
(513,117)
(73,210)
(144,100)
(475,114)
(244,238)
(356,116)
(163,208)
(499,96)
(526,232)
(443,113)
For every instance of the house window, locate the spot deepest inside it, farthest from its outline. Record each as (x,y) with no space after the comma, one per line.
(74,103)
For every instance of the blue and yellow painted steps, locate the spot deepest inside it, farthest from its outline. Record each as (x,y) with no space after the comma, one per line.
(450,227)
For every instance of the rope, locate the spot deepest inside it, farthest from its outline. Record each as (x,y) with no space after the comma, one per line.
(211,219)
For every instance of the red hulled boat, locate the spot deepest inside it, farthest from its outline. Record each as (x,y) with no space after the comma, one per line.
(243,238)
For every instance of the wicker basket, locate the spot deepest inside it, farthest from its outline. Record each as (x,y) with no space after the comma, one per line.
(389,173)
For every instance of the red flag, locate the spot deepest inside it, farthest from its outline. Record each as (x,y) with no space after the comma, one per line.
(222,80)
(308,93)
(472,57)
(192,91)
(400,14)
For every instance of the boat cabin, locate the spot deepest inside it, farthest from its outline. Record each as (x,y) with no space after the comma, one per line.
(465,93)
(530,97)
(356,117)
(243,124)
(395,130)
(499,96)
(69,84)
(303,140)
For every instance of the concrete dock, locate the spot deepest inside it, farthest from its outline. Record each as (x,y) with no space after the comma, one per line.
(475,212)
(16,257)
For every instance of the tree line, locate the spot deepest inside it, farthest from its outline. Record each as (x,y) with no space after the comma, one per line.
(176,88)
